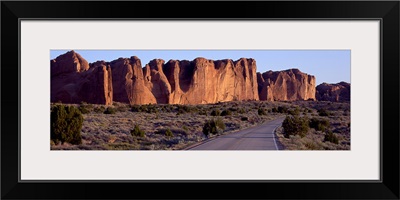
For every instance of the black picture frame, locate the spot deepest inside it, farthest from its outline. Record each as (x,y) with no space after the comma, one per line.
(386,11)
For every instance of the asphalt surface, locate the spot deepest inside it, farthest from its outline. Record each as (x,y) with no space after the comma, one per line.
(255,138)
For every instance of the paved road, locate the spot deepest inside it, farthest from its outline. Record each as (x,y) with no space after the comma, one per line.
(255,138)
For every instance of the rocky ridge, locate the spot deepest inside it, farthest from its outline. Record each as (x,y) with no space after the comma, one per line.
(200,81)
(73,80)
(287,85)
(336,92)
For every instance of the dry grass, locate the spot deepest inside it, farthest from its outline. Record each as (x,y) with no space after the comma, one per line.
(339,119)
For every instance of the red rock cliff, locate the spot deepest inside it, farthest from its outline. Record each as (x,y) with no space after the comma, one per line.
(199,81)
(333,92)
(73,80)
(288,85)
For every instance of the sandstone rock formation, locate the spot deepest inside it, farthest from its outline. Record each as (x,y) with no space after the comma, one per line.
(73,80)
(68,62)
(199,81)
(333,92)
(129,83)
(288,85)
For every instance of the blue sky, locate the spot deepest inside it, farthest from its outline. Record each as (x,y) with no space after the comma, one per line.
(331,66)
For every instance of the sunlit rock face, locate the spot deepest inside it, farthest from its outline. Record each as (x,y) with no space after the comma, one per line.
(73,80)
(337,92)
(287,85)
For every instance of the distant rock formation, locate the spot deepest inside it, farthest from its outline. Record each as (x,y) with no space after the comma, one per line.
(333,92)
(288,85)
(73,80)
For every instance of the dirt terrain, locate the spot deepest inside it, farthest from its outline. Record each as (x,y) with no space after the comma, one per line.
(174,127)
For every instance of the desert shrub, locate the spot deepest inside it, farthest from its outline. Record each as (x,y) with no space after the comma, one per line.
(150,108)
(122,108)
(233,109)
(169,108)
(295,125)
(323,112)
(261,111)
(215,112)
(311,145)
(185,128)
(244,118)
(169,133)
(110,110)
(174,131)
(319,124)
(295,111)
(66,124)
(136,131)
(186,109)
(136,108)
(282,109)
(220,124)
(85,108)
(331,137)
(213,126)
(241,111)
(274,110)
(100,109)
(226,113)
(203,112)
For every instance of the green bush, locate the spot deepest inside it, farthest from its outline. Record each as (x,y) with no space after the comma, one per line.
(110,110)
(295,125)
(220,124)
(122,108)
(295,111)
(331,137)
(137,132)
(149,108)
(241,111)
(323,112)
(100,109)
(215,112)
(213,126)
(319,124)
(203,112)
(136,108)
(282,109)
(185,128)
(85,108)
(261,111)
(66,124)
(226,113)
(182,109)
(169,133)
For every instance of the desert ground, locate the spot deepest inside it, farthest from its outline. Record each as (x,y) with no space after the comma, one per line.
(177,127)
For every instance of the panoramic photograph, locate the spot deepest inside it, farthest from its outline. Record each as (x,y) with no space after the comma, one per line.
(200,100)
